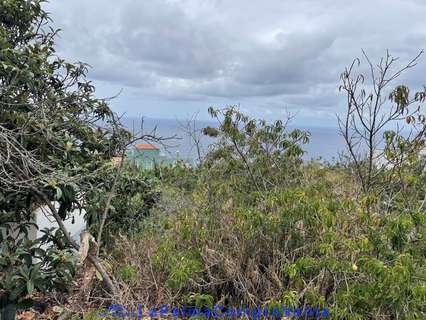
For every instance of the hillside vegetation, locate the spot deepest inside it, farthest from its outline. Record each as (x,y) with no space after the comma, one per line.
(251,224)
(254,225)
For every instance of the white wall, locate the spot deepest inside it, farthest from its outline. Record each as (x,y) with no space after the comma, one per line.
(45,220)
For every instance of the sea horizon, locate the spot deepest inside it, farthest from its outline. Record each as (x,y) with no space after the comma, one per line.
(325,142)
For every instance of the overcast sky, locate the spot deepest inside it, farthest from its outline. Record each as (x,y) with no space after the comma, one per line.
(173,58)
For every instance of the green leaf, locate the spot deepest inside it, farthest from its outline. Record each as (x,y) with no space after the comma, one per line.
(98,275)
(30,287)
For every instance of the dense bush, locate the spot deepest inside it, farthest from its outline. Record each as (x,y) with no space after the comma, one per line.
(301,245)
(136,193)
(311,241)
(27,266)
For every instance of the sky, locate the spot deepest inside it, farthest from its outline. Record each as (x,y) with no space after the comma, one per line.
(174,58)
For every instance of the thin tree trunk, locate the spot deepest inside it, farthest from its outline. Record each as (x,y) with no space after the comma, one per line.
(98,265)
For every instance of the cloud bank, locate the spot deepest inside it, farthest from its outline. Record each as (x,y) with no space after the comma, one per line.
(266,55)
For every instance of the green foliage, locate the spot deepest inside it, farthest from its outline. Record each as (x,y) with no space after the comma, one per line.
(60,133)
(136,194)
(260,154)
(309,240)
(56,138)
(128,274)
(252,224)
(26,266)
(180,265)
(179,175)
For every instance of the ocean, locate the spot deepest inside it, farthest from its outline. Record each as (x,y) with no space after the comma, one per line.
(325,142)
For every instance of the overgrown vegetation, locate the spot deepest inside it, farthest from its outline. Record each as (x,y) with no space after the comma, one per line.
(310,238)
(251,225)
(260,227)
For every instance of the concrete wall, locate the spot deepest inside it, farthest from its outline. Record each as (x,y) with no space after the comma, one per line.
(44,219)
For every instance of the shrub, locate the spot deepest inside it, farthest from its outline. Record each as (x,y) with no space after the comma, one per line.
(314,243)
(136,193)
(26,266)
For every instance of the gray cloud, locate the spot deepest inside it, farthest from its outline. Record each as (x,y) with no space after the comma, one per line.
(284,52)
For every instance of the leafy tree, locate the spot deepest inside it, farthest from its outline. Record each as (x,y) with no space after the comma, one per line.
(56,137)
(260,155)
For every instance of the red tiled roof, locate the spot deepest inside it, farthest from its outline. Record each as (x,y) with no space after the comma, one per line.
(145,146)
